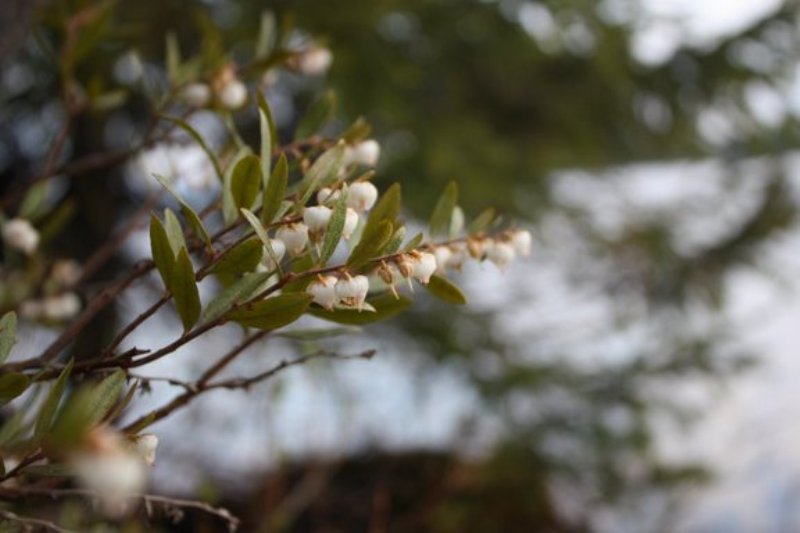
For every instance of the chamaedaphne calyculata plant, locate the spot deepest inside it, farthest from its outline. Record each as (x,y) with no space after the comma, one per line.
(297,230)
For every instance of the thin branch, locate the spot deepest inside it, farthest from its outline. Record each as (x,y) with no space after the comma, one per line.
(32,524)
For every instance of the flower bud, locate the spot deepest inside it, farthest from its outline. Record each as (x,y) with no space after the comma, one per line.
(279,249)
(424,266)
(145,445)
(315,61)
(362,196)
(61,307)
(350,223)
(233,94)
(294,237)
(326,194)
(364,153)
(196,94)
(323,289)
(66,272)
(316,218)
(443,254)
(521,241)
(20,235)
(352,291)
(500,253)
(405,265)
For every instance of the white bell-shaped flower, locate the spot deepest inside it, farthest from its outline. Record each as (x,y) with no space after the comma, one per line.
(145,445)
(500,253)
(196,94)
(278,249)
(362,196)
(350,222)
(424,266)
(233,94)
(443,254)
(315,61)
(521,241)
(323,289)
(61,307)
(326,194)
(19,234)
(294,237)
(316,218)
(364,153)
(352,291)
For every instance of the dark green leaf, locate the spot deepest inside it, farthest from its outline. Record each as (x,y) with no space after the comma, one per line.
(323,172)
(443,212)
(446,291)
(8,334)
(319,113)
(241,258)
(174,231)
(333,232)
(275,191)
(246,181)
(184,290)
(272,313)
(229,210)
(386,306)
(357,131)
(370,245)
(12,385)
(48,410)
(269,135)
(163,256)
(196,224)
(240,291)
(387,209)
(396,241)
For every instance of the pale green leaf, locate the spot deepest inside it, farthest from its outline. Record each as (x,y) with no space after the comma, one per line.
(272,313)
(445,290)
(163,256)
(242,290)
(246,181)
(443,211)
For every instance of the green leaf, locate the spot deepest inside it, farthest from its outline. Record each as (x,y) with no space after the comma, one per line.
(315,334)
(269,134)
(275,191)
(387,209)
(49,470)
(241,258)
(174,231)
(261,232)
(443,212)
(191,216)
(44,420)
(173,58)
(104,395)
(272,313)
(333,232)
(12,385)
(414,243)
(8,334)
(319,113)
(245,181)
(446,291)
(34,202)
(323,172)
(229,210)
(163,256)
(184,290)
(199,140)
(357,131)
(370,245)
(482,221)
(386,306)
(396,241)
(240,291)
(266,35)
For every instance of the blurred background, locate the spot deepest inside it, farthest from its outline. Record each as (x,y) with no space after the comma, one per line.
(634,374)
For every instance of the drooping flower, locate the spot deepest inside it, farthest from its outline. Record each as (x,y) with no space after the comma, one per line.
(352,291)
(350,223)
(500,253)
(521,241)
(19,234)
(362,196)
(316,218)
(233,94)
(294,237)
(196,94)
(315,61)
(326,194)
(364,153)
(279,249)
(323,289)
(424,266)
(145,445)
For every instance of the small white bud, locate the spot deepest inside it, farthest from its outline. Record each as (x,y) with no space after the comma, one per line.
(521,241)
(196,94)
(316,218)
(350,223)
(294,237)
(364,153)
(19,234)
(326,194)
(315,61)
(61,307)
(323,290)
(424,266)
(279,249)
(443,255)
(458,255)
(145,445)
(233,94)
(66,272)
(500,253)
(352,292)
(362,196)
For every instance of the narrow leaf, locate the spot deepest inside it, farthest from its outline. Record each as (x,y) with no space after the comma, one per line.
(241,258)
(48,410)
(229,210)
(370,245)
(104,395)
(269,133)
(256,225)
(275,190)
(414,243)
(323,172)
(12,385)
(482,221)
(174,231)
(240,291)
(443,212)
(333,232)
(191,216)
(173,57)
(446,291)
(246,181)
(8,334)
(272,313)
(163,256)
(396,241)
(185,126)
(184,290)
(386,306)
(387,209)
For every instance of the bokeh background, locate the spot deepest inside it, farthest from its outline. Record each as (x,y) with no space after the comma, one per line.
(637,373)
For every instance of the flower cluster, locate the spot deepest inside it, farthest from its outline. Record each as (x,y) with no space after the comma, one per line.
(225,88)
